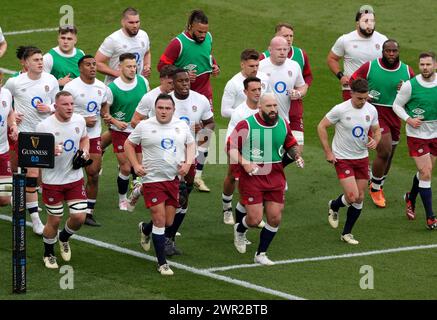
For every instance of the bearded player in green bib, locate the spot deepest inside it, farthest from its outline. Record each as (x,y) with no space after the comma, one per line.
(385,76)
(416,104)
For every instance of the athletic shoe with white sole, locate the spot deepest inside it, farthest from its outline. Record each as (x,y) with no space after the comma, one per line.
(332,216)
(122,205)
(50,262)
(165,270)
(239,240)
(37,225)
(65,250)
(349,238)
(133,198)
(228,217)
(144,239)
(263,259)
(200,185)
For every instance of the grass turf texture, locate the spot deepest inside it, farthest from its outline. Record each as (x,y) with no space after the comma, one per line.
(206,241)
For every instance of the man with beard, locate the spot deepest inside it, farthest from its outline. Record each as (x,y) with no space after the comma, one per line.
(257,144)
(130,38)
(349,155)
(357,47)
(90,96)
(285,79)
(416,104)
(191,50)
(385,76)
(61,61)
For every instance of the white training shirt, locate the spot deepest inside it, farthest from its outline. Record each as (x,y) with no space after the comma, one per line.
(88,100)
(243,111)
(281,79)
(70,133)
(428,129)
(233,95)
(357,50)
(48,58)
(192,110)
(118,43)
(125,87)
(27,93)
(147,102)
(351,128)
(163,147)
(5,109)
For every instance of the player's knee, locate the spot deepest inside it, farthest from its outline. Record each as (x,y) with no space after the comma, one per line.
(31,184)
(352,197)
(425,173)
(78,218)
(4,201)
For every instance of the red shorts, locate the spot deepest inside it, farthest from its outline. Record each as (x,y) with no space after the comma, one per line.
(418,147)
(254,196)
(296,115)
(389,122)
(96,145)
(12,144)
(159,192)
(358,168)
(346,95)
(56,193)
(235,171)
(5,165)
(118,139)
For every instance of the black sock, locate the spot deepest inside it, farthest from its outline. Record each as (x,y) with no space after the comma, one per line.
(265,238)
(170,232)
(159,244)
(239,214)
(123,185)
(49,246)
(201,159)
(414,190)
(337,203)
(147,228)
(426,195)
(241,228)
(64,235)
(352,217)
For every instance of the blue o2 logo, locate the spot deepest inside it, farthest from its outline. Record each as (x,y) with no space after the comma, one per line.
(167,143)
(280,87)
(69,146)
(186,119)
(91,106)
(2,122)
(358,132)
(137,56)
(35,101)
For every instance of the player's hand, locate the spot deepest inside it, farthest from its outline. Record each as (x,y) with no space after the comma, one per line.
(330,157)
(43,108)
(139,170)
(183,169)
(85,154)
(18,117)
(192,74)
(251,168)
(90,121)
(371,144)
(215,70)
(300,162)
(146,72)
(59,148)
(63,81)
(121,125)
(294,94)
(414,122)
(14,133)
(345,81)
(107,118)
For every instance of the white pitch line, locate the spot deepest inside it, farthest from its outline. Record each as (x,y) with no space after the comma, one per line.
(324,258)
(11,33)
(205,273)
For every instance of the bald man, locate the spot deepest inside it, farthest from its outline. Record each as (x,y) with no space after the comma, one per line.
(285,79)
